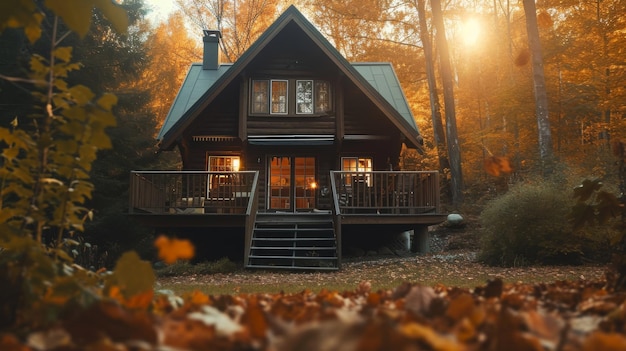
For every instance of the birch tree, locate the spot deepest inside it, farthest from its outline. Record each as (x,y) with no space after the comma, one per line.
(435,105)
(454,152)
(539,82)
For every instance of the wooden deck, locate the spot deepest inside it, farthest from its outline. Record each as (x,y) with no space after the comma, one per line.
(374,202)
(356,196)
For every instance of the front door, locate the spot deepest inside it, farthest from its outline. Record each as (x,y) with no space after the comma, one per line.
(292,185)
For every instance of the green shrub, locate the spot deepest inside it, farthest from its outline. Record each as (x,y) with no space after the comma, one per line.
(530,225)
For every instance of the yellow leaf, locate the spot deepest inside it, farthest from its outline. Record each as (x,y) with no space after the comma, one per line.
(107,101)
(33,29)
(133,275)
(75,13)
(171,250)
(429,337)
(81,94)
(63,53)
(115,14)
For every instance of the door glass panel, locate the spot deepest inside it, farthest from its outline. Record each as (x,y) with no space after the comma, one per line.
(292,184)
(305,184)
(280,183)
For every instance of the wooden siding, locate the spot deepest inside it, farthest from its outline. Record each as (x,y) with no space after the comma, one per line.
(291,125)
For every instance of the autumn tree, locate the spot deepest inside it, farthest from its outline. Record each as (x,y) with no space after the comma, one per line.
(539,84)
(435,105)
(241,22)
(170,50)
(452,137)
(46,163)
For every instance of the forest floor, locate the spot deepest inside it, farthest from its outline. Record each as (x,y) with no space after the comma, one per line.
(443,301)
(451,262)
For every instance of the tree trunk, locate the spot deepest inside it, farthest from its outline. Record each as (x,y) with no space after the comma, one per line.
(435,106)
(539,84)
(454,152)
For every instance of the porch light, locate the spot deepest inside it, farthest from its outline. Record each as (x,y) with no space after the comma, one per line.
(313,185)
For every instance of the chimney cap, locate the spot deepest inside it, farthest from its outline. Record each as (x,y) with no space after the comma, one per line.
(212,33)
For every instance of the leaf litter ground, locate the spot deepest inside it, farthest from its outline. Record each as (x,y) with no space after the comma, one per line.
(396,303)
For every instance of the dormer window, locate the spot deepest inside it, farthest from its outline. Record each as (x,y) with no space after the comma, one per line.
(294,97)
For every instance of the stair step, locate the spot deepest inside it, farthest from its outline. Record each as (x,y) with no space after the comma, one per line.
(294,239)
(301,222)
(302,258)
(290,241)
(317,268)
(325,248)
(274,229)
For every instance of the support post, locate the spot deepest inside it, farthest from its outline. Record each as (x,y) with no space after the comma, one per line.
(420,242)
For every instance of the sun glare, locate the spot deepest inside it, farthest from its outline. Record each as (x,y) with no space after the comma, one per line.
(471,31)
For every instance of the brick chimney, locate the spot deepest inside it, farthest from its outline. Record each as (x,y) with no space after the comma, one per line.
(211,54)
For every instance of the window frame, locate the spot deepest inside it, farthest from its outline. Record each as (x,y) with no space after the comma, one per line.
(321,93)
(254,95)
(316,96)
(367,168)
(311,96)
(286,96)
(214,181)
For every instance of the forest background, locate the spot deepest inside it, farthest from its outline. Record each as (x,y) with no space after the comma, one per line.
(491,70)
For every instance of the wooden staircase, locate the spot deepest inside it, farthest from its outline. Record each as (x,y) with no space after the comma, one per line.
(304,241)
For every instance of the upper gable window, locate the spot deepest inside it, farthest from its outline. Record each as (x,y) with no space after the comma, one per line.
(260,96)
(279,96)
(322,96)
(304,96)
(290,97)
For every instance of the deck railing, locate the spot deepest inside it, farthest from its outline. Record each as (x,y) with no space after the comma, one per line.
(190,192)
(386,192)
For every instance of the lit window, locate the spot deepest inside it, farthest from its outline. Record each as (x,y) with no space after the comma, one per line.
(279,96)
(304,96)
(359,168)
(222,164)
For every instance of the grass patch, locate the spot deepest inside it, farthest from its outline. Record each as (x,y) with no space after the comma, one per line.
(382,274)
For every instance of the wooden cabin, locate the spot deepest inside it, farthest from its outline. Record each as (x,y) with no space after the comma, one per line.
(291,148)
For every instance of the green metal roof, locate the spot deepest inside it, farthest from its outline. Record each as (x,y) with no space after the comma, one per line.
(377,80)
(196,83)
(383,78)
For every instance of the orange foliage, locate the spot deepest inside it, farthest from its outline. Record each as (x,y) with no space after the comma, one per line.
(497,166)
(171,250)
(522,58)
(544,20)
(136,301)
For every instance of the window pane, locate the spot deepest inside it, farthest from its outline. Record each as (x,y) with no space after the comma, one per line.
(304,96)
(222,164)
(260,96)
(279,96)
(357,165)
(322,96)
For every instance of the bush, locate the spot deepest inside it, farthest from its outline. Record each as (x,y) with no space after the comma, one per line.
(530,225)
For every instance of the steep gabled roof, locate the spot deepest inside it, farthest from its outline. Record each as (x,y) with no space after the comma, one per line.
(196,84)
(377,81)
